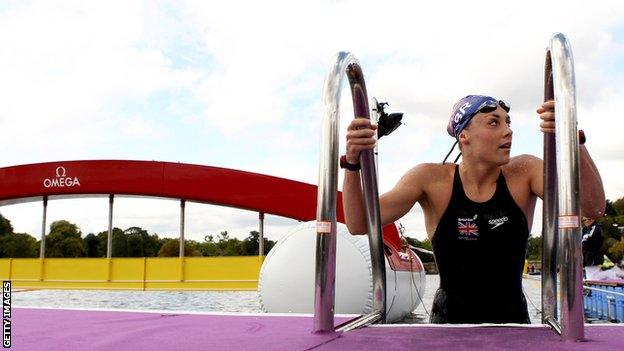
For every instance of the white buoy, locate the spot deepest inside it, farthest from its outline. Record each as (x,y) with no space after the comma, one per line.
(286,283)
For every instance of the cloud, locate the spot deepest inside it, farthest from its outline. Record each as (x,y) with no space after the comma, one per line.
(67,70)
(115,79)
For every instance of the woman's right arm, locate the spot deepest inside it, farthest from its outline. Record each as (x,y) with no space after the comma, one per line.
(393,204)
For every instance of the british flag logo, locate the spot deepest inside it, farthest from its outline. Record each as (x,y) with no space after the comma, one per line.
(467,228)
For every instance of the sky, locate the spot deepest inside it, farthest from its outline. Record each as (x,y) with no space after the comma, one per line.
(238,84)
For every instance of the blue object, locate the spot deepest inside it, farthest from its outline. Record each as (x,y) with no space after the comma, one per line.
(468,107)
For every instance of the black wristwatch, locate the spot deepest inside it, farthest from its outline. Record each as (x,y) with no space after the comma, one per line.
(348,166)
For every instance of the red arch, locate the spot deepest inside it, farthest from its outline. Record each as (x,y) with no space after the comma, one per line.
(205,184)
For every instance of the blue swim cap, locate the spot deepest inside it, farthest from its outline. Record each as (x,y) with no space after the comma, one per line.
(468,107)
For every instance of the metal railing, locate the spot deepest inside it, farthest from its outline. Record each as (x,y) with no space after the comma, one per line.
(561,212)
(324,293)
(608,292)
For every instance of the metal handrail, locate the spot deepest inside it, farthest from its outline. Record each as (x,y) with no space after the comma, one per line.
(324,289)
(604,291)
(561,211)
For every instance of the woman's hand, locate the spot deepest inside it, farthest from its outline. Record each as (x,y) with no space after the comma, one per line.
(547,114)
(360,137)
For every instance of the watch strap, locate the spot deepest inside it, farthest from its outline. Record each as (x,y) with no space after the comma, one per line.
(348,166)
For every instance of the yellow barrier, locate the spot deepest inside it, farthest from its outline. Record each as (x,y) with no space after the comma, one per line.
(150,273)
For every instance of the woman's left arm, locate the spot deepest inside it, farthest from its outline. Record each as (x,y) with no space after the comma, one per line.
(592,192)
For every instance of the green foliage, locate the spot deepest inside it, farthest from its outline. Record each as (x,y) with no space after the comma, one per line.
(227,246)
(208,247)
(19,245)
(64,247)
(609,227)
(91,243)
(616,251)
(5,226)
(251,244)
(618,206)
(612,236)
(423,244)
(140,243)
(607,243)
(101,244)
(120,243)
(610,209)
(534,248)
(171,248)
(64,240)
(65,229)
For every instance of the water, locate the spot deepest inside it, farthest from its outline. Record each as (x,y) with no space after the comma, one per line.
(200,301)
(211,301)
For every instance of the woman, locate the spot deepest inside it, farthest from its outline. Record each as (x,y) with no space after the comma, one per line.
(478,213)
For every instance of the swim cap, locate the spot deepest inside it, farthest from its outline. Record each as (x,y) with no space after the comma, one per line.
(468,107)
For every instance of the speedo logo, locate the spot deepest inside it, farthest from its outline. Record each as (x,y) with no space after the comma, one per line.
(497,222)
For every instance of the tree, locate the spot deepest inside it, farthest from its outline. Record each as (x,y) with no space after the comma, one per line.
(65,229)
(610,227)
(610,209)
(20,245)
(101,246)
(250,246)
(91,243)
(152,245)
(5,226)
(67,247)
(227,246)
(120,244)
(64,240)
(618,206)
(103,241)
(171,248)
(208,247)
(134,239)
(140,243)
(616,251)
(534,248)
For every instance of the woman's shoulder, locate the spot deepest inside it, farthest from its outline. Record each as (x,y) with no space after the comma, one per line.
(426,175)
(432,170)
(523,165)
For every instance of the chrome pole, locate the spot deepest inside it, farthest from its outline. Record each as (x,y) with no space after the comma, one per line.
(43,228)
(182,215)
(324,290)
(261,234)
(560,82)
(375,117)
(109,239)
(549,215)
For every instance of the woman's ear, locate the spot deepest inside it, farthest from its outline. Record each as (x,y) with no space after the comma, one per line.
(463,138)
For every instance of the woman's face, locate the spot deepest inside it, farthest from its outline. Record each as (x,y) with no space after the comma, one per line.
(488,137)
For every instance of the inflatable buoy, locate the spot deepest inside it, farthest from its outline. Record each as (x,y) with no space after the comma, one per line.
(286,283)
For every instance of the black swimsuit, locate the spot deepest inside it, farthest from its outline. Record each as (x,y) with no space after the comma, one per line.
(480,250)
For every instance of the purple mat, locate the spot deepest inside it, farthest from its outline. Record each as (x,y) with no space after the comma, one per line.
(603,338)
(68,330)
